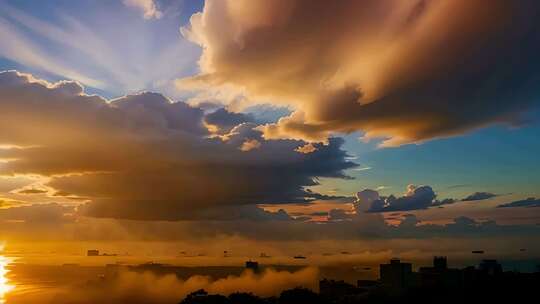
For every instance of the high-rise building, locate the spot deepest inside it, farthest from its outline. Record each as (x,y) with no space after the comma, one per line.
(439,263)
(490,267)
(439,275)
(396,275)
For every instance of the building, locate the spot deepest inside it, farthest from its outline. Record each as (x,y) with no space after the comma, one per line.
(440,263)
(92,252)
(490,267)
(439,275)
(396,275)
(252,265)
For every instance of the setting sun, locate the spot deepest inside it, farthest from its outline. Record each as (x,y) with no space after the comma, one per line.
(5,287)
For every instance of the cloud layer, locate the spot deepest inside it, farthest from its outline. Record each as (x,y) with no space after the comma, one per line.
(405,71)
(479,196)
(146,287)
(145,157)
(275,234)
(528,202)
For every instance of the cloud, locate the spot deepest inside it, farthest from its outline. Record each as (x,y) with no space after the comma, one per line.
(339,215)
(416,198)
(38,213)
(364,225)
(130,286)
(31,191)
(478,196)
(247,229)
(4,203)
(144,157)
(223,121)
(307,148)
(250,144)
(149,8)
(529,202)
(409,221)
(362,169)
(461,226)
(459,186)
(404,71)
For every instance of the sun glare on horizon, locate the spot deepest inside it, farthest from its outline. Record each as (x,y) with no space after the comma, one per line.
(5,286)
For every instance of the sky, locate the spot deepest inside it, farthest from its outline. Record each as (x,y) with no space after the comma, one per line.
(380,124)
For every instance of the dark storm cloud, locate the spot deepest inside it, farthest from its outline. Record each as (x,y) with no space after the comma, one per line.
(478,196)
(405,71)
(529,202)
(145,157)
(224,120)
(261,178)
(108,208)
(155,110)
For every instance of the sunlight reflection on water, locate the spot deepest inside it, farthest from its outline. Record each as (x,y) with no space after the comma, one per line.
(5,285)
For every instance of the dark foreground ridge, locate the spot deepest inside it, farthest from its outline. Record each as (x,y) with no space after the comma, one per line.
(399,284)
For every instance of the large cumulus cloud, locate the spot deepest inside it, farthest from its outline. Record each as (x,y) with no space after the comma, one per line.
(415,198)
(405,71)
(145,157)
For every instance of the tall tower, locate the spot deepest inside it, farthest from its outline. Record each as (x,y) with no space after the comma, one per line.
(439,263)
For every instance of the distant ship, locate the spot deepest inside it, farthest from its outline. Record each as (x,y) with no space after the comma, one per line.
(300,257)
(70,265)
(478,251)
(264,255)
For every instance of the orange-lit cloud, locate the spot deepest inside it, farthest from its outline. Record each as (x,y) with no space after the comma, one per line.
(250,144)
(405,71)
(147,7)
